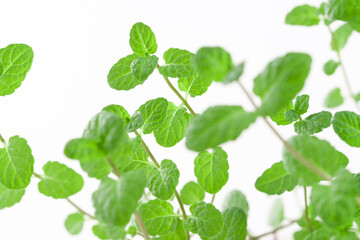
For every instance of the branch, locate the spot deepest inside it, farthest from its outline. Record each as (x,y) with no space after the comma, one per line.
(273,231)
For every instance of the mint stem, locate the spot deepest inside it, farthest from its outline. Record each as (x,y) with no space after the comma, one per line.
(183,100)
(346,78)
(293,152)
(307,210)
(177,195)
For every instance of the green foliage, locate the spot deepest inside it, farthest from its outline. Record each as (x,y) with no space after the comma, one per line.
(205,220)
(163,181)
(302,104)
(217,125)
(237,199)
(74,223)
(347,126)
(345,10)
(136,197)
(16,163)
(334,98)
(142,39)
(314,123)
(105,138)
(318,152)
(191,193)
(158,216)
(143,67)
(213,63)
(276,180)
(235,224)
(304,15)
(330,67)
(276,216)
(121,77)
(172,129)
(336,204)
(153,113)
(211,169)
(15,63)
(340,37)
(115,201)
(194,85)
(234,74)
(178,63)
(281,80)
(9,197)
(59,181)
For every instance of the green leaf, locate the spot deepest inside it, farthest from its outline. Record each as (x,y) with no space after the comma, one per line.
(59,181)
(136,122)
(143,67)
(191,193)
(163,181)
(108,130)
(280,117)
(178,234)
(318,152)
(9,197)
(16,164)
(120,76)
(302,104)
(74,223)
(172,129)
(178,63)
(237,199)
(357,97)
(235,223)
(334,98)
(340,37)
(336,204)
(345,10)
(140,157)
(281,81)
(158,216)
(217,125)
(314,123)
(142,39)
(118,110)
(115,201)
(85,149)
(194,85)
(276,216)
(104,231)
(213,63)
(234,74)
(211,170)
(330,67)
(347,126)
(15,63)
(292,116)
(154,113)
(276,180)
(205,220)
(304,15)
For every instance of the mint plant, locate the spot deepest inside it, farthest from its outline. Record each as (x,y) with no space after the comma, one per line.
(139,196)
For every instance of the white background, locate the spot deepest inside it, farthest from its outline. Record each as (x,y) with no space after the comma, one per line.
(76,42)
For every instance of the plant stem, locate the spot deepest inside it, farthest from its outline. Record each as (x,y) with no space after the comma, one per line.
(177,195)
(114,168)
(346,78)
(293,152)
(69,201)
(142,226)
(213,199)
(307,210)
(273,231)
(183,100)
